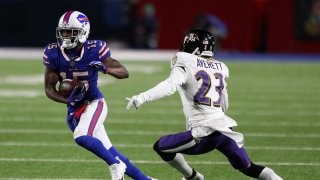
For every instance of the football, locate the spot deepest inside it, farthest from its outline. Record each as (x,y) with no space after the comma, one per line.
(66,86)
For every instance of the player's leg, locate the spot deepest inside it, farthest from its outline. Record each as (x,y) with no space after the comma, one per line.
(101,134)
(87,133)
(170,148)
(239,160)
(90,119)
(131,170)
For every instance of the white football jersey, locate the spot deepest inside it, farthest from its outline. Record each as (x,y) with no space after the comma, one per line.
(204,94)
(201,83)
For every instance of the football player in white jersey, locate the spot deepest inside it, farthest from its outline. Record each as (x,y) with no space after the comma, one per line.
(201,83)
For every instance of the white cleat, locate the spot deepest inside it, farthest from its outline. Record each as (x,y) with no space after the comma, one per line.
(117,170)
(195,176)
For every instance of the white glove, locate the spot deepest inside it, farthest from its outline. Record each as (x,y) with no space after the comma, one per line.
(134,101)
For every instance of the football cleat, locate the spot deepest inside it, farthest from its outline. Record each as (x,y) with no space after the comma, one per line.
(117,170)
(195,176)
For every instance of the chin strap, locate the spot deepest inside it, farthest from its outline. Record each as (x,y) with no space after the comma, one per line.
(67,44)
(195,50)
(207,53)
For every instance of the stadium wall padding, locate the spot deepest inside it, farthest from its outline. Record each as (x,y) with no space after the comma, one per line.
(253,25)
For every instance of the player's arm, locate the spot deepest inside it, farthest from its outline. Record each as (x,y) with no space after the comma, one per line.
(115,69)
(224,93)
(165,88)
(51,79)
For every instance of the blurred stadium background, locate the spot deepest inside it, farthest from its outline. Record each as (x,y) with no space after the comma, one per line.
(272,48)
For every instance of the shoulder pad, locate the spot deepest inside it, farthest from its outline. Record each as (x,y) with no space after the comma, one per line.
(50,54)
(178,60)
(174,60)
(103,50)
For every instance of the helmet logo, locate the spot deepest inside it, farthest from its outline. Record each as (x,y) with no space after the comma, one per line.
(193,37)
(82,19)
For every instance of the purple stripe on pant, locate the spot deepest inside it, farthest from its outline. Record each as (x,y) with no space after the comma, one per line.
(227,146)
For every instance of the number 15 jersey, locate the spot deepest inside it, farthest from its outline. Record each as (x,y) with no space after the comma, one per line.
(71,66)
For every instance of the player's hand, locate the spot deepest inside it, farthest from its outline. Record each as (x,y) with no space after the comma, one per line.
(98,66)
(71,109)
(76,96)
(134,101)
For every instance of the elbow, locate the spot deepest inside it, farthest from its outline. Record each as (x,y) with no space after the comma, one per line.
(123,75)
(47,92)
(126,75)
(119,74)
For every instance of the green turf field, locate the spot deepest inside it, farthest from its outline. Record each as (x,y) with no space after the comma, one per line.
(277,107)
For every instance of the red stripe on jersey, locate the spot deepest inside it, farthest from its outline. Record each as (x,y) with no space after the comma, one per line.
(103,48)
(95,118)
(80,110)
(46,62)
(104,53)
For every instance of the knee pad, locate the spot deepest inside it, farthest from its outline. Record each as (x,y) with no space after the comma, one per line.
(164,156)
(84,141)
(253,170)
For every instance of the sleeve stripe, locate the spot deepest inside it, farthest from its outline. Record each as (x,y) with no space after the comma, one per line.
(104,53)
(182,68)
(103,48)
(46,62)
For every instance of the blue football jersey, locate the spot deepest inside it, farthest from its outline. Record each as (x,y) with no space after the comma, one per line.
(71,66)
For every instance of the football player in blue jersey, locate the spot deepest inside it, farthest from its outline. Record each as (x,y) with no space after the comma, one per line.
(75,57)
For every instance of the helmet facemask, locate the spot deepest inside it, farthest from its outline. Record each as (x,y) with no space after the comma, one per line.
(68,38)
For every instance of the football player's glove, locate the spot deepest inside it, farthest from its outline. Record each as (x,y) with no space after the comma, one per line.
(76,96)
(98,66)
(134,101)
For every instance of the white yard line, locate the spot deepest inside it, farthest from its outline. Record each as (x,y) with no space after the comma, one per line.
(21,93)
(284,124)
(143,133)
(33,54)
(156,112)
(12,178)
(150,162)
(36,144)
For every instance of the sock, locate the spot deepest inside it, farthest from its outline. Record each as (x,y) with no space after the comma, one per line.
(180,164)
(253,170)
(268,174)
(95,146)
(131,170)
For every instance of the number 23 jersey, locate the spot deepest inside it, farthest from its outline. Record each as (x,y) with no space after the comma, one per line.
(204,94)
